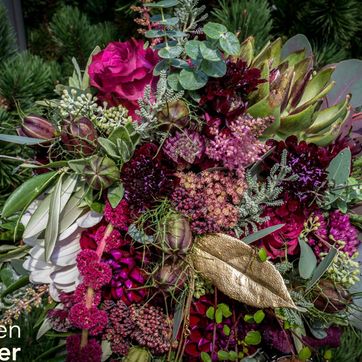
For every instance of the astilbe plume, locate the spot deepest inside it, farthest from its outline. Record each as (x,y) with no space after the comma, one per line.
(335,229)
(227,96)
(237,145)
(185,146)
(146,178)
(145,325)
(209,199)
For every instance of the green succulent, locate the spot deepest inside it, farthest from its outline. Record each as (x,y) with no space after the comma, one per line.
(294,92)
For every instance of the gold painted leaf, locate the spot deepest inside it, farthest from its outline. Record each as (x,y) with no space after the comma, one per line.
(235,269)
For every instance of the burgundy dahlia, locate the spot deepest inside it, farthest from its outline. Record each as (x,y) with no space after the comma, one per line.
(227,96)
(146,178)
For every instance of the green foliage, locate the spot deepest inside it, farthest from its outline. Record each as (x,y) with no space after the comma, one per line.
(258,196)
(7,37)
(25,79)
(350,348)
(74,36)
(246,17)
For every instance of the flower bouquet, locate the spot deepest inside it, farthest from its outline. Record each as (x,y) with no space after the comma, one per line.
(191,199)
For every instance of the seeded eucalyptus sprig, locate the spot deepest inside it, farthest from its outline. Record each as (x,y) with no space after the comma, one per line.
(189,61)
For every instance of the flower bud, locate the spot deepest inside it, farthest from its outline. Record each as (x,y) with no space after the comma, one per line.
(332,298)
(37,127)
(137,354)
(101,172)
(177,235)
(170,277)
(79,136)
(175,113)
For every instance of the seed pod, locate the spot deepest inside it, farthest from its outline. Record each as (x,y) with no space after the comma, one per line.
(101,172)
(177,235)
(79,136)
(138,354)
(170,277)
(175,113)
(331,298)
(37,127)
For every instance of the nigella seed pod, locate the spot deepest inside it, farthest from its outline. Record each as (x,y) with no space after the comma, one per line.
(331,298)
(79,136)
(177,235)
(101,172)
(170,277)
(175,113)
(37,127)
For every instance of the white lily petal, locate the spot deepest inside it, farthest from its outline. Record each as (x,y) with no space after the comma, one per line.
(65,275)
(41,276)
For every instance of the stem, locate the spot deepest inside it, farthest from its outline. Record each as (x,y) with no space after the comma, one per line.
(214,331)
(90,291)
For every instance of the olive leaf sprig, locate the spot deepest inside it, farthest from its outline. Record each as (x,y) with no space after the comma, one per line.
(189,62)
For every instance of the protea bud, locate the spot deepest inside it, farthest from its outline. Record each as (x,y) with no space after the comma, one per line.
(37,127)
(177,236)
(79,136)
(174,113)
(101,172)
(331,298)
(138,354)
(170,277)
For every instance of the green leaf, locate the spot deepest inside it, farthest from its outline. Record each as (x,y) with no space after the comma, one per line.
(175,34)
(218,315)
(155,34)
(20,140)
(173,82)
(263,256)
(226,312)
(21,282)
(160,66)
(79,165)
(307,260)
(192,80)
(205,357)
(304,354)
(6,276)
(249,318)
(192,49)
(226,330)
(85,80)
(179,63)
(223,355)
(233,356)
(27,192)
(115,195)
(165,21)
(214,30)
(322,267)
(210,313)
(109,147)
(214,69)
(162,4)
(259,316)
(52,351)
(230,44)
(52,229)
(339,168)
(262,233)
(209,52)
(252,338)
(170,52)
(17,253)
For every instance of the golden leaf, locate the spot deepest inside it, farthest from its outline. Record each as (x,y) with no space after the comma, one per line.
(235,269)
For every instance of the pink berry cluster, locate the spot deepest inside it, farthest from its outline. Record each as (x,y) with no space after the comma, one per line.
(209,199)
(145,325)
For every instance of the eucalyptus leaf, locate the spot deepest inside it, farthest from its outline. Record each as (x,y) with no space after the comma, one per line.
(230,44)
(339,168)
(262,233)
(192,49)
(52,229)
(170,43)
(209,52)
(162,4)
(173,82)
(214,30)
(170,52)
(192,80)
(85,80)
(179,63)
(21,282)
(109,147)
(307,260)
(214,69)
(155,33)
(160,66)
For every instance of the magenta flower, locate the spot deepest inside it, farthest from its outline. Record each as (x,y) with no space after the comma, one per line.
(121,72)
(119,216)
(91,352)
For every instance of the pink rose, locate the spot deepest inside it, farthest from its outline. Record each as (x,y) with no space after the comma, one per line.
(121,72)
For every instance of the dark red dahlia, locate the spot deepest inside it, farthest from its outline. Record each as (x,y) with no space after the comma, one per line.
(146,177)
(226,96)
